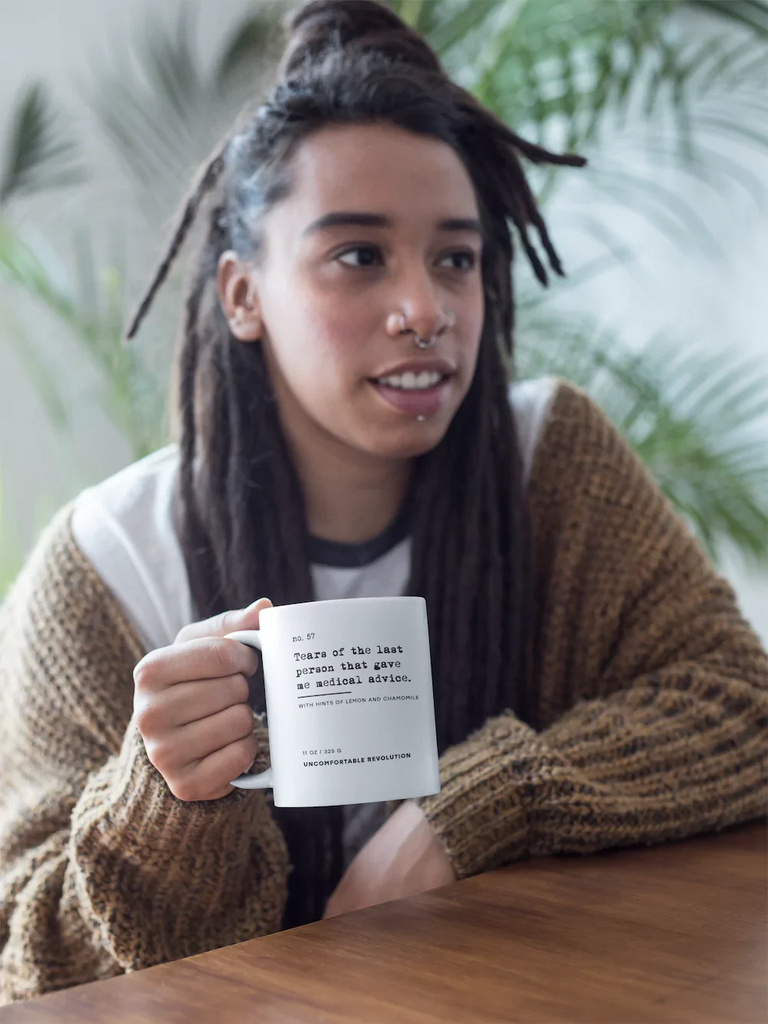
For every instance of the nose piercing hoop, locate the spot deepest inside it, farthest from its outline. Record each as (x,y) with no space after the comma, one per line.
(430,341)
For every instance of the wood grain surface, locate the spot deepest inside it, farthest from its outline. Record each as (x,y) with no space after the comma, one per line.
(676,934)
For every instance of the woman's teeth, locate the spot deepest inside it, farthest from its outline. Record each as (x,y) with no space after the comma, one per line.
(412,381)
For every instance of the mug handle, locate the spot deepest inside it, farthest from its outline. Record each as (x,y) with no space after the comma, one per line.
(251,638)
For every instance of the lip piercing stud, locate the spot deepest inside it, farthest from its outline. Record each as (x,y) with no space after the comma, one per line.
(421,419)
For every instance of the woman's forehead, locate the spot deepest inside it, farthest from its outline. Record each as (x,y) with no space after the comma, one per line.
(380,169)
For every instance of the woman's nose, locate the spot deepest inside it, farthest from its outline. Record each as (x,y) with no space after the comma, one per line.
(417,309)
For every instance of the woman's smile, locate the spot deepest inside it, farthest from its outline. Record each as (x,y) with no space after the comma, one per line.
(417,387)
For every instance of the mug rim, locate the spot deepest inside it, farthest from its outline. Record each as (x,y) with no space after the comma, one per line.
(341,600)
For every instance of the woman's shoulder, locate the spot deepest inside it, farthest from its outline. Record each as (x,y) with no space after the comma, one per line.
(59,616)
(133,486)
(586,479)
(531,402)
(553,417)
(125,528)
(576,441)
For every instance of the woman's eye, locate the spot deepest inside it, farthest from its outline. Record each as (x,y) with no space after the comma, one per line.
(369,256)
(466,260)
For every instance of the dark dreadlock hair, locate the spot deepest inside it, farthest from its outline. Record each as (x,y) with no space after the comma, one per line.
(240,510)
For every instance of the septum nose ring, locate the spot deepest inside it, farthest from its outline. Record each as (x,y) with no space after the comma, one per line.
(430,341)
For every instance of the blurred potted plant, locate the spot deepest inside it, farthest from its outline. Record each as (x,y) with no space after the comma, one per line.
(560,71)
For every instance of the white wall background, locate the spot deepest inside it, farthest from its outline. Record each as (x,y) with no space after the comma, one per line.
(723,304)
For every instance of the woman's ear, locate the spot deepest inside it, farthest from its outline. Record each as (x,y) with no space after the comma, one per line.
(237,294)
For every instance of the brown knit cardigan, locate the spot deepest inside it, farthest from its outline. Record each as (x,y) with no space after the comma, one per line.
(650,692)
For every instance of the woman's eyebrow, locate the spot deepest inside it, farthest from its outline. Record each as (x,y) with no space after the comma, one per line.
(346,218)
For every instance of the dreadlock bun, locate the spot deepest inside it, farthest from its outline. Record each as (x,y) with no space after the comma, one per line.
(326,25)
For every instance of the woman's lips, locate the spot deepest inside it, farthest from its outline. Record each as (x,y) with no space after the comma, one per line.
(415,402)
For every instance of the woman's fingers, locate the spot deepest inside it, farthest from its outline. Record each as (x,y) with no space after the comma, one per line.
(227,763)
(175,706)
(173,751)
(207,658)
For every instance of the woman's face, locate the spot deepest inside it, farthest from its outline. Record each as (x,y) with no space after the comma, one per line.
(378,222)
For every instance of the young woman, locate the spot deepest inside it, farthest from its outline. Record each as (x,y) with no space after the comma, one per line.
(346,429)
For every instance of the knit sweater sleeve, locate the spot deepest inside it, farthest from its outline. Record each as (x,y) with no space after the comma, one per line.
(102,869)
(651,689)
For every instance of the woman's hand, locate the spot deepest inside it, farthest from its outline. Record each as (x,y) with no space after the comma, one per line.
(403,858)
(191,705)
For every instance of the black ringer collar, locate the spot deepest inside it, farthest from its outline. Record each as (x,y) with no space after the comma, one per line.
(355,556)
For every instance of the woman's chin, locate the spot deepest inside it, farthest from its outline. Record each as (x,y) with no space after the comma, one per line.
(408,441)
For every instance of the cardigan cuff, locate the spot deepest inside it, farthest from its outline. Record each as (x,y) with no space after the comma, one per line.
(479,814)
(131,798)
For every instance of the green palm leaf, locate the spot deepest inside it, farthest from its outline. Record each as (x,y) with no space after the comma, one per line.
(150,114)
(39,154)
(447,24)
(696,419)
(163,113)
(565,71)
(93,311)
(252,50)
(749,14)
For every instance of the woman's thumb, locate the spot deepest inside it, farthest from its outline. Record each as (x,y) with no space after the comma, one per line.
(226,622)
(247,618)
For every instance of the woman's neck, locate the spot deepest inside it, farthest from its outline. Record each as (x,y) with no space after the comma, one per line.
(350,503)
(349,497)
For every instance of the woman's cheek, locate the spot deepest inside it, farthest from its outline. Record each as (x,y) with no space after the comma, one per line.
(342,337)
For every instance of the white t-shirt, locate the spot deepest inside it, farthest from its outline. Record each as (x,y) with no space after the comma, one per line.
(125,527)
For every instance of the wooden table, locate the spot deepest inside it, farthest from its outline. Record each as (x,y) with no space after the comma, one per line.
(676,933)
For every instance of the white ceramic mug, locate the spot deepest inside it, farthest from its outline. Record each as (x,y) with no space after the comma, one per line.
(349,702)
